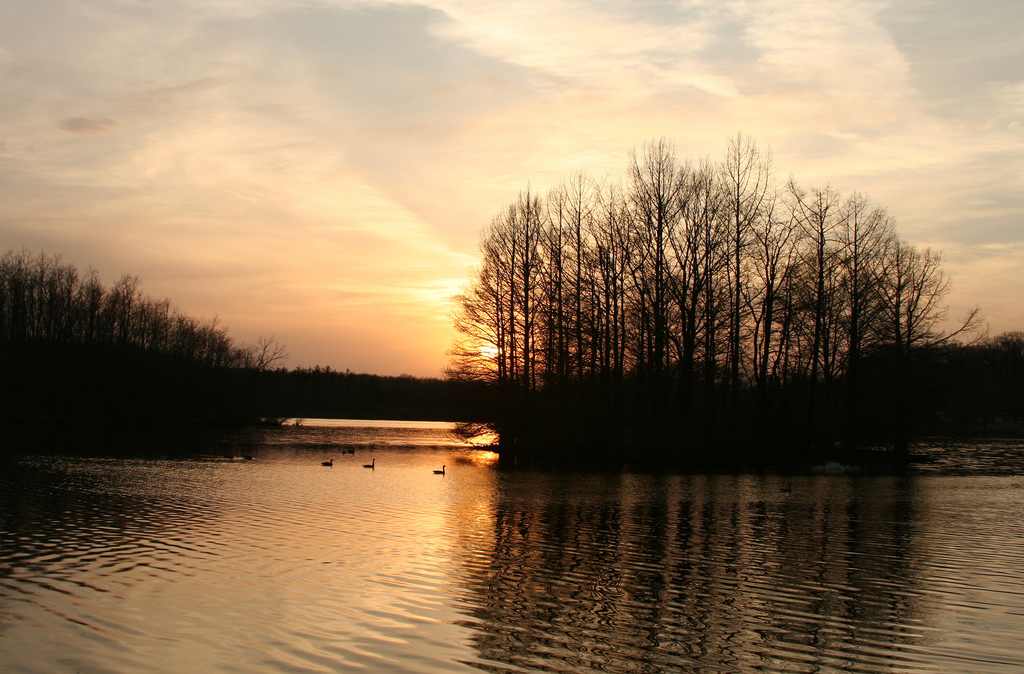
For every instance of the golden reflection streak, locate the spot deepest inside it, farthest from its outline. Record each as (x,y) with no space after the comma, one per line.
(483,457)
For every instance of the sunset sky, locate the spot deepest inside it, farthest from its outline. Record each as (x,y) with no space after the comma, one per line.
(321,171)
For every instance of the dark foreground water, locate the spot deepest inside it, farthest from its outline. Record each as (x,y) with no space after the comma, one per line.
(280,565)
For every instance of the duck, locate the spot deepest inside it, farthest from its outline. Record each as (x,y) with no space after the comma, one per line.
(248,457)
(328,463)
(371,465)
(439,472)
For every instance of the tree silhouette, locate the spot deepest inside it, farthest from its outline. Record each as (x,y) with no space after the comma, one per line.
(698,304)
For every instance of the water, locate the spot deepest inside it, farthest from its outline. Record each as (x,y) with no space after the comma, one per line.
(208,564)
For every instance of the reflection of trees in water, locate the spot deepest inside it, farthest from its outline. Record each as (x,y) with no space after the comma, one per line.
(635,573)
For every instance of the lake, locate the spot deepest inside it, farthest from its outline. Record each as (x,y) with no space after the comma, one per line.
(214,563)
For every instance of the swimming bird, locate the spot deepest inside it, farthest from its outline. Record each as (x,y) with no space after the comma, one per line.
(329,463)
(372,465)
(439,472)
(248,457)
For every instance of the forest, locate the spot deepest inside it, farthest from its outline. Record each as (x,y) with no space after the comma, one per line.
(87,366)
(700,312)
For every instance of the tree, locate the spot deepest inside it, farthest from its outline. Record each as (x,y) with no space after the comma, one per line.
(656,181)
(815,213)
(746,178)
(267,353)
(912,288)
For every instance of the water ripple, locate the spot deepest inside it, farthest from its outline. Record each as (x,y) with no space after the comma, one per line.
(280,565)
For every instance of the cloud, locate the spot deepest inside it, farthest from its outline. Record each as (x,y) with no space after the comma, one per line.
(87,125)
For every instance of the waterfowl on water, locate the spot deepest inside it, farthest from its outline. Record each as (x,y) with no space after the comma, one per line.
(329,463)
(439,472)
(371,465)
(248,457)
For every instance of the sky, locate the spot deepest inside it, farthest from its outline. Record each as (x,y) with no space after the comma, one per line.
(320,171)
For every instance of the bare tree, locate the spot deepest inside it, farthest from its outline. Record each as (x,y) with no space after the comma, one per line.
(816,215)
(774,254)
(746,179)
(913,288)
(656,181)
(267,353)
(863,238)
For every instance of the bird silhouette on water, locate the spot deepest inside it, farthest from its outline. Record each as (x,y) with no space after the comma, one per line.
(371,465)
(439,472)
(329,462)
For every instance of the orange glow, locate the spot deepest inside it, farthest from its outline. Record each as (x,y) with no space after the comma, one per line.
(485,457)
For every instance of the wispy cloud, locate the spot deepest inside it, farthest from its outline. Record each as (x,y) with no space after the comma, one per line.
(87,125)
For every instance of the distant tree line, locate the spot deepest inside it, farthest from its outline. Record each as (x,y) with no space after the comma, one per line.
(701,305)
(85,365)
(971,389)
(44,301)
(326,393)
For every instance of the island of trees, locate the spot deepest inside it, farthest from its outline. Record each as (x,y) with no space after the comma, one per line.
(701,313)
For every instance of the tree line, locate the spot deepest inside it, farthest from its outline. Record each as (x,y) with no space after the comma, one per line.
(322,392)
(696,304)
(46,301)
(88,365)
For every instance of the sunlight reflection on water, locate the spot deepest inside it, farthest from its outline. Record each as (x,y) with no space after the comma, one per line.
(280,565)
